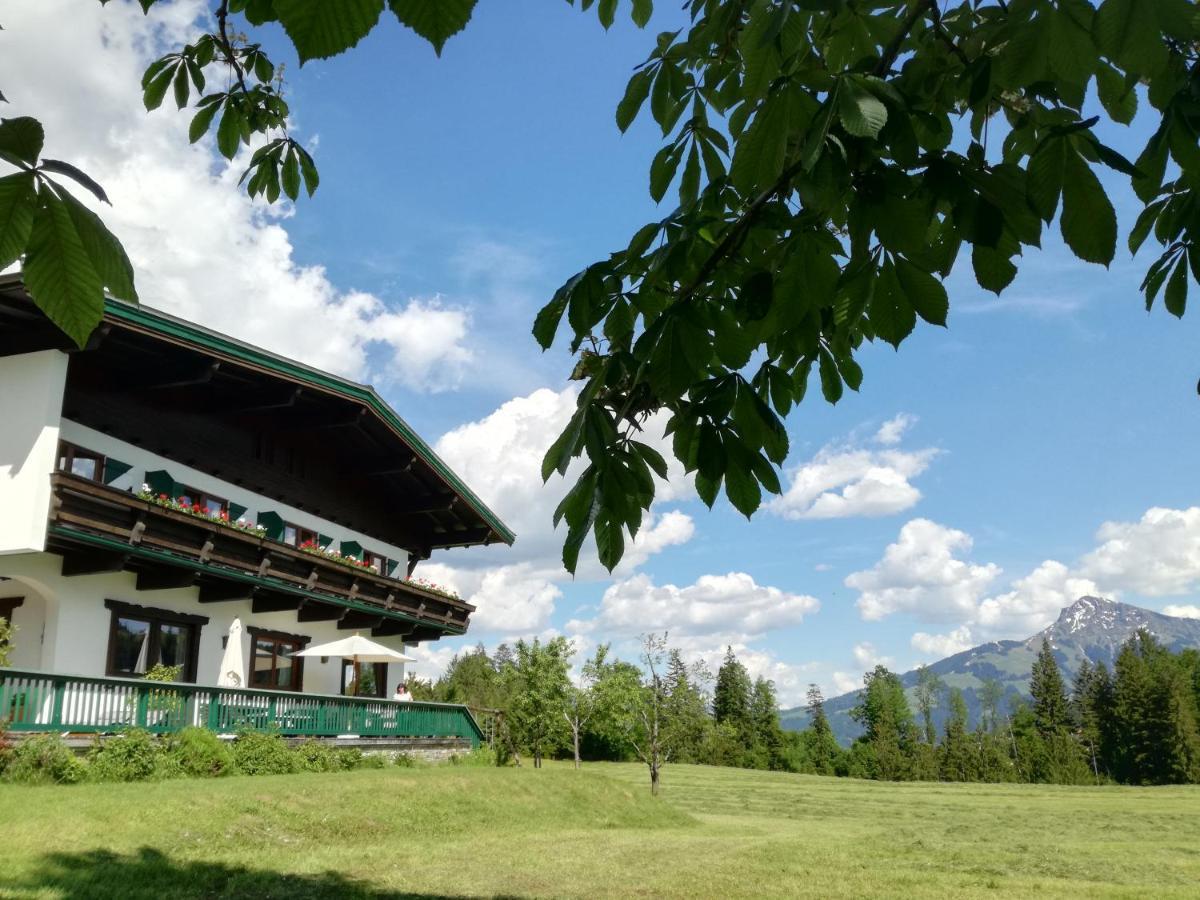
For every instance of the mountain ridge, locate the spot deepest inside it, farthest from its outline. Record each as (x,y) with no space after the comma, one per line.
(1094,628)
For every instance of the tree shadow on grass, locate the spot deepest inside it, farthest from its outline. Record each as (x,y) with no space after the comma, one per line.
(149,874)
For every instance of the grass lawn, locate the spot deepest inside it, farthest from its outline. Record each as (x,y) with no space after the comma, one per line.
(714,832)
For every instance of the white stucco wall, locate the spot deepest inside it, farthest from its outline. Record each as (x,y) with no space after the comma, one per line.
(31,392)
(77,623)
(143,461)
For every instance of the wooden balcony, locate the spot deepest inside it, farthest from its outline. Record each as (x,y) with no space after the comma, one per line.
(100,529)
(43,701)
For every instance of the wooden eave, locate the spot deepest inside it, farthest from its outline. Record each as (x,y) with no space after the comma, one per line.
(143,352)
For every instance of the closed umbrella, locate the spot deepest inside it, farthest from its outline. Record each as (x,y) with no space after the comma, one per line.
(233,660)
(360,650)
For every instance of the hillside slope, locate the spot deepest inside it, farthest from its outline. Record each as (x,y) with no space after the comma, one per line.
(1091,628)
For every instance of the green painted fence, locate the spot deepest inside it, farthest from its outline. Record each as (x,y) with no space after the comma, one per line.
(44,701)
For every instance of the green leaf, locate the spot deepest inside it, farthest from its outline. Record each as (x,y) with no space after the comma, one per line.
(64,168)
(181,86)
(1145,221)
(103,249)
(1072,54)
(831,381)
(993,270)
(760,153)
(1088,223)
(635,95)
(663,168)
(892,314)
(290,175)
(200,122)
(1175,296)
(1127,32)
(1045,177)
(153,95)
(18,202)
(741,487)
(610,542)
(58,273)
(607,12)
(548,318)
(229,132)
(641,12)
(22,138)
(435,20)
(926,294)
(861,112)
(320,29)
(1117,96)
(308,169)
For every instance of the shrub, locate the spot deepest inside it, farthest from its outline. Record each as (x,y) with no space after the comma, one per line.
(133,755)
(403,760)
(482,755)
(44,758)
(373,761)
(351,758)
(199,753)
(313,756)
(263,753)
(6,745)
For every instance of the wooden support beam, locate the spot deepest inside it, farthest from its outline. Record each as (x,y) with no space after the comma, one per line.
(183,377)
(219,592)
(360,620)
(314,611)
(91,562)
(392,628)
(445,538)
(270,402)
(165,579)
(276,603)
(438,503)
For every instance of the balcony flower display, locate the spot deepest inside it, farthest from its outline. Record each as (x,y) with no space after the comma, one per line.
(426,585)
(185,505)
(317,550)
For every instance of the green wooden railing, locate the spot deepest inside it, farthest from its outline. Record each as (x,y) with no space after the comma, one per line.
(44,701)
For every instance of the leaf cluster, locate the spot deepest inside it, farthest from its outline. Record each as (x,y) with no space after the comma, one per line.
(829,162)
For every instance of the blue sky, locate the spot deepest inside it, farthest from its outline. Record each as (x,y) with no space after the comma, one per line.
(458,193)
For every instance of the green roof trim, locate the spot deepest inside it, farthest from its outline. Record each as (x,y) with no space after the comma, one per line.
(169,326)
(163,556)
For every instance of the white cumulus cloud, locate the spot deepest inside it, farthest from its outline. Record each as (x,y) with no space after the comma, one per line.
(200,248)
(848,479)
(921,574)
(1182,610)
(1157,556)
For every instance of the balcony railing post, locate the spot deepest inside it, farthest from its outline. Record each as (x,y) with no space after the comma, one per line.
(271,710)
(143,703)
(60,690)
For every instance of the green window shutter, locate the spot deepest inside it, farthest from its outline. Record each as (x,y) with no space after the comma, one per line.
(352,548)
(391,567)
(160,482)
(236,511)
(273,522)
(114,469)
(323,541)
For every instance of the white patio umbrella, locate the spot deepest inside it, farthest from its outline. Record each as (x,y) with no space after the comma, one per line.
(360,650)
(233,661)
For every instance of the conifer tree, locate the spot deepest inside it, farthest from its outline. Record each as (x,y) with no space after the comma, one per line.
(956,757)
(731,698)
(928,694)
(768,734)
(991,692)
(884,712)
(823,749)
(1050,711)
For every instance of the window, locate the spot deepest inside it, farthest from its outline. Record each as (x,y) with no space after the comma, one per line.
(141,638)
(376,562)
(372,678)
(205,502)
(297,536)
(274,664)
(77,461)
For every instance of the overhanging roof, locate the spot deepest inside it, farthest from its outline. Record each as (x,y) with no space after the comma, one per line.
(23,328)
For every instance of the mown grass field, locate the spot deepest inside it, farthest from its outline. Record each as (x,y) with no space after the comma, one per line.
(597,833)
